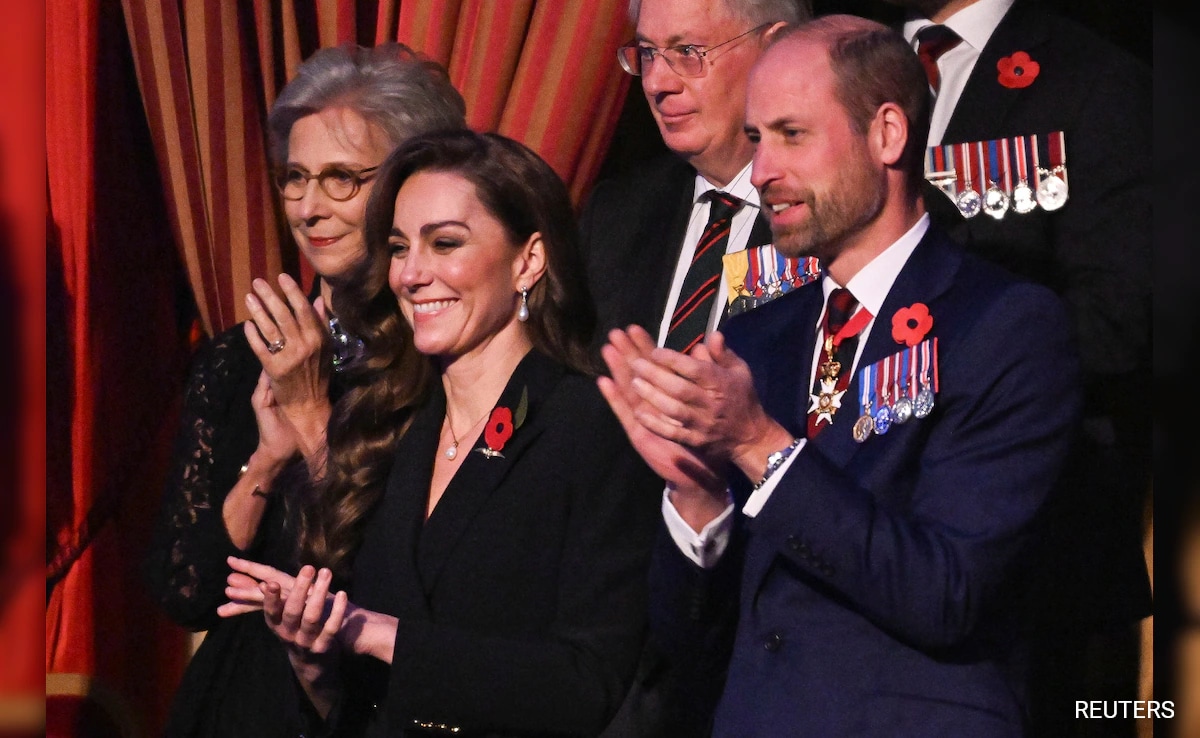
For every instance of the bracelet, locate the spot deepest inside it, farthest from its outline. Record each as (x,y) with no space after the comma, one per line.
(258,490)
(775,460)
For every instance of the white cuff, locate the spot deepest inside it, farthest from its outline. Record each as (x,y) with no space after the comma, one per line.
(759,497)
(706,547)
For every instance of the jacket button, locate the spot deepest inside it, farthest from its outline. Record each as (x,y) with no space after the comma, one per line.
(799,546)
(773,642)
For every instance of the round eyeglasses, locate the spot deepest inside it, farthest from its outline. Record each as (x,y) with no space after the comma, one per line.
(338,182)
(686,60)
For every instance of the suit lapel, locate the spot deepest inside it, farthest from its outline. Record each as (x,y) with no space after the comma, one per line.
(479,476)
(984,103)
(927,274)
(403,507)
(760,235)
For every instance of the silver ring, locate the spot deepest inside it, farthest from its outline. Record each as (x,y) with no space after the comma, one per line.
(275,347)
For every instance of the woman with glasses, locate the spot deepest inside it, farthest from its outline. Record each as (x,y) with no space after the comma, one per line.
(491,518)
(259,395)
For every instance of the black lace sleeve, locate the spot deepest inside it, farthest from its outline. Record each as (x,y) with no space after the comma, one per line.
(185,567)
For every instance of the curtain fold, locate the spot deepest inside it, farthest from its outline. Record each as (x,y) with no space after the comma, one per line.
(203,96)
(115,361)
(541,72)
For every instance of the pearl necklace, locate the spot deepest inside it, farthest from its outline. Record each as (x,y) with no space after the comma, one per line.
(452,451)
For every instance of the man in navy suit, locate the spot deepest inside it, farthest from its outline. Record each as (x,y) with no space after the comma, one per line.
(868,458)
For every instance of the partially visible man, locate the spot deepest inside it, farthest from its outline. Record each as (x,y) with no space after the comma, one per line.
(654,239)
(916,408)
(1015,84)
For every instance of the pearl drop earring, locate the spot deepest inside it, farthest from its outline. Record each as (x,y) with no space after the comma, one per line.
(523,313)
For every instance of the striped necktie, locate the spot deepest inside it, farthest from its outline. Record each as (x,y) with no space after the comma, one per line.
(690,319)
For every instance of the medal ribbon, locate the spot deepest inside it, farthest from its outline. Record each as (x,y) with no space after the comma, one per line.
(980,166)
(1005,169)
(753,275)
(1022,161)
(962,167)
(856,323)
(1058,151)
(996,175)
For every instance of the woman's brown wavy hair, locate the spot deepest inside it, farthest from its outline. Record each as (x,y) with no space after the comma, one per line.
(524,194)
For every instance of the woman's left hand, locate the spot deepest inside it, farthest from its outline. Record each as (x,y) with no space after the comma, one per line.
(244,586)
(291,339)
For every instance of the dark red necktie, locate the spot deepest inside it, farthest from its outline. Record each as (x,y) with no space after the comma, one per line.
(932,42)
(690,319)
(840,307)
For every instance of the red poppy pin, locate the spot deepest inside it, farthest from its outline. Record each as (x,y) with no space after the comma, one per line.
(501,424)
(1018,71)
(910,324)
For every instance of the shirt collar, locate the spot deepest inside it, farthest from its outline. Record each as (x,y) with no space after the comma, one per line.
(740,187)
(974,23)
(870,286)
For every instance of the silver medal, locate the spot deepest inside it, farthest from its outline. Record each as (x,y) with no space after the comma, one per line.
(902,410)
(1023,199)
(924,403)
(995,202)
(1052,191)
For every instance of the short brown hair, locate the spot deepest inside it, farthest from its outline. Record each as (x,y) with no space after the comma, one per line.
(873,65)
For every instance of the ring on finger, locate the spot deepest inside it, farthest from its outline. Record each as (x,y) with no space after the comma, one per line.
(275,347)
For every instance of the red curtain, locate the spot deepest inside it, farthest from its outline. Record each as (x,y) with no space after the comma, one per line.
(116,354)
(158,196)
(541,72)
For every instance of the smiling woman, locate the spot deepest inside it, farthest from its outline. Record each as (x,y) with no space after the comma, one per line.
(260,394)
(481,503)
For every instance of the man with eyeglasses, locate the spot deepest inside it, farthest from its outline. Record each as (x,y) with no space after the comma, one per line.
(654,239)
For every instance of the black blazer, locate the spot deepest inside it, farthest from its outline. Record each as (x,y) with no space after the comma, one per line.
(522,599)
(1095,253)
(632,231)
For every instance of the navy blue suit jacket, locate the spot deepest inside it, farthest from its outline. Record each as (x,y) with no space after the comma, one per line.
(882,586)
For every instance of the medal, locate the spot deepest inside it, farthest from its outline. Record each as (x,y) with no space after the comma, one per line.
(1052,182)
(923,405)
(927,357)
(883,413)
(1023,199)
(995,198)
(865,425)
(939,172)
(968,201)
(741,304)
(828,401)
(902,409)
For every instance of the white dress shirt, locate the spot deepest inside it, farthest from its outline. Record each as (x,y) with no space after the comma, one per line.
(870,286)
(739,233)
(974,24)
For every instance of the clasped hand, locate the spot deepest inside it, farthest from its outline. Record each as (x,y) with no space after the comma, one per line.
(703,403)
(300,610)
